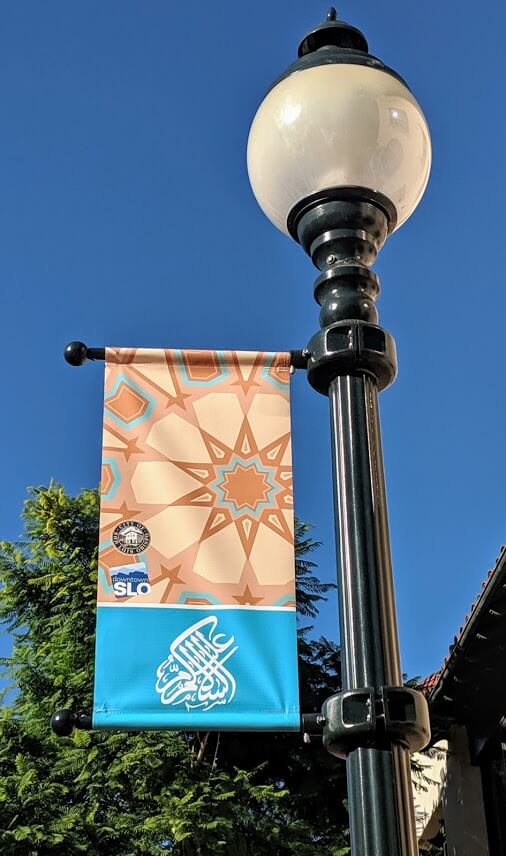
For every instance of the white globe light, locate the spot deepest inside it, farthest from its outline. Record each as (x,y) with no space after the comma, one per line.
(338,125)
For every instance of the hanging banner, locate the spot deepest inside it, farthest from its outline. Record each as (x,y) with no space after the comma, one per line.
(196,588)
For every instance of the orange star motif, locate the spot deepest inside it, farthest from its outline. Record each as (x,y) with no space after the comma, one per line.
(247,598)
(245,486)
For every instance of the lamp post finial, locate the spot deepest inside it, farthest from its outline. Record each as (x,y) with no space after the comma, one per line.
(332,14)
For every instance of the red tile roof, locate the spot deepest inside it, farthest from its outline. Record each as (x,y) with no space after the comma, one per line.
(429,684)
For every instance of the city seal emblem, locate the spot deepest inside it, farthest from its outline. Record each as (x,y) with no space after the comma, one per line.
(131,537)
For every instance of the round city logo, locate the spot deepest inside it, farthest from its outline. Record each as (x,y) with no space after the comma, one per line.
(131,537)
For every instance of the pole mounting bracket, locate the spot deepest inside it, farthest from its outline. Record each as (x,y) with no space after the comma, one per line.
(349,348)
(375,718)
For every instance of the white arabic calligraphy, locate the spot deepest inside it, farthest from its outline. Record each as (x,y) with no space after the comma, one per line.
(193,674)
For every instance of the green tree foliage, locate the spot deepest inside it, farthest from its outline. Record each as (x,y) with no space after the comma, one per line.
(144,793)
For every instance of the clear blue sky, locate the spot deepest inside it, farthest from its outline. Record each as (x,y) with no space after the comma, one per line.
(126,218)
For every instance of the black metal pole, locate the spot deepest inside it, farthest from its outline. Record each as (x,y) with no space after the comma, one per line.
(342,223)
(379,783)
(374,722)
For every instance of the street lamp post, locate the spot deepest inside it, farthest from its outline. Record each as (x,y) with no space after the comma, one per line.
(338,157)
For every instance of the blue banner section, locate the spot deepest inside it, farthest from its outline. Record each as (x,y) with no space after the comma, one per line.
(196,669)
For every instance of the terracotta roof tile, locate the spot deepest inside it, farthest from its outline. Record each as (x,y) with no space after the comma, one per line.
(428,684)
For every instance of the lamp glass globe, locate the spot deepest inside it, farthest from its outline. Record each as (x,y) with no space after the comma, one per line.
(334,126)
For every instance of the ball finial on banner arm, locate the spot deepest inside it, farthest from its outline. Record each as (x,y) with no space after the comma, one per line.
(63,722)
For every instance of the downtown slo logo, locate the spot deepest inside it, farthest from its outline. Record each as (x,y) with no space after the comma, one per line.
(130,538)
(128,580)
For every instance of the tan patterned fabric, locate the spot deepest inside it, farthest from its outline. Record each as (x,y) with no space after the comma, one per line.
(197,461)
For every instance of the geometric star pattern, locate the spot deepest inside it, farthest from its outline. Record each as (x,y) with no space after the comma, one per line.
(197,448)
